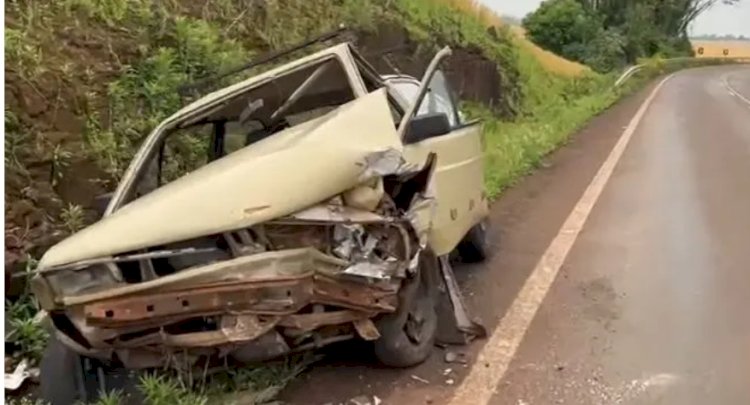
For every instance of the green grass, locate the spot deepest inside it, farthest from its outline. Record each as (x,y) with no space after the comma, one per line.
(24,52)
(242,386)
(26,331)
(513,149)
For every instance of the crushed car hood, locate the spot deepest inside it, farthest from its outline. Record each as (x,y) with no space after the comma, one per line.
(277,176)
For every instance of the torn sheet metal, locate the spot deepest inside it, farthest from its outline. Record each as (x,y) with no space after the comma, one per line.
(347,239)
(381,271)
(302,323)
(382,163)
(327,213)
(262,266)
(454,326)
(420,215)
(368,297)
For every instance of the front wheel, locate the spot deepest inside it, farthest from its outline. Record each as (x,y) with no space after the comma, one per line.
(58,372)
(408,335)
(474,248)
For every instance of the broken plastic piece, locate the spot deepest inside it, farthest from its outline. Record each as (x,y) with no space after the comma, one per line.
(14,380)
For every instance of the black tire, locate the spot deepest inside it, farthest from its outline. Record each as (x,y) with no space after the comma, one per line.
(474,248)
(57,374)
(408,335)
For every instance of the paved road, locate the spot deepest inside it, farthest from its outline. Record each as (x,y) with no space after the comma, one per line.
(652,303)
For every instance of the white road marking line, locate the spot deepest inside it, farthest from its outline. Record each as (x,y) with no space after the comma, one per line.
(734,92)
(494,358)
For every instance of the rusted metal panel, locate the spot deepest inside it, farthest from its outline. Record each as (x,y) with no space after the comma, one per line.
(260,297)
(233,329)
(307,322)
(380,297)
(270,297)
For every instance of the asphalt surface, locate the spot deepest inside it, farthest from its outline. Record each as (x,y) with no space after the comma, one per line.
(652,303)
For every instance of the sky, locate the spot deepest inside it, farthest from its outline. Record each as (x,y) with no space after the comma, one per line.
(719,20)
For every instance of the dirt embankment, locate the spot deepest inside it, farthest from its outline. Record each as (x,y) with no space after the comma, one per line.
(66,63)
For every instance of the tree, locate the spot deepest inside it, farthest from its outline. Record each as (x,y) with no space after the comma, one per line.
(607,34)
(558,24)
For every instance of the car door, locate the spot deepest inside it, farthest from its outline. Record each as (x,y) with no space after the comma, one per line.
(433,124)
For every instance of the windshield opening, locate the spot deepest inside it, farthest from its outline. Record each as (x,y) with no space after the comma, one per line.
(285,101)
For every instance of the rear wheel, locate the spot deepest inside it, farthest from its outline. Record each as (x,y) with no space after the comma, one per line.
(474,248)
(408,335)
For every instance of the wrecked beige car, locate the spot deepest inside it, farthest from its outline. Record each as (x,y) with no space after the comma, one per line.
(325,210)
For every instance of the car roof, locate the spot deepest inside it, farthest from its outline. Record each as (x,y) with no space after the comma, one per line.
(236,88)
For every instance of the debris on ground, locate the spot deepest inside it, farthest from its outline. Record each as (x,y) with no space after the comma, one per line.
(420,379)
(455,357)
(22,372)
(365,400)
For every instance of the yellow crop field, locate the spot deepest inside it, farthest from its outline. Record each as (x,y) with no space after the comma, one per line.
(717,49)
(549,60)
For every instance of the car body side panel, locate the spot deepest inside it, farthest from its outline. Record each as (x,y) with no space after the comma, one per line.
(278,176)
(457,184)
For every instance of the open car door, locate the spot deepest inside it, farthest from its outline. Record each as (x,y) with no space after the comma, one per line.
(433,124)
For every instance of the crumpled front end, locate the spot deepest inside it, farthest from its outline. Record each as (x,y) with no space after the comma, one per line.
(298,282)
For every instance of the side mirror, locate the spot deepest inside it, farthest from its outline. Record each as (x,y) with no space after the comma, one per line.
(101,202)
(426,126)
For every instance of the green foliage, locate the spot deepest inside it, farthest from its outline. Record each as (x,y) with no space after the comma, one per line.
(606,35)
(15,139)
(256,385)
(515,148)
(284,22)
(147,93)
(575,32)
(72,217)
(606,51)
(26,331)
(248,386)
(60,161)
(115,397)
(434,24)
(562,26)
(22,53)
(111,12)
(162,390)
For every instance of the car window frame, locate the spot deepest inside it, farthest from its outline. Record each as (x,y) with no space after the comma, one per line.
(152,145)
